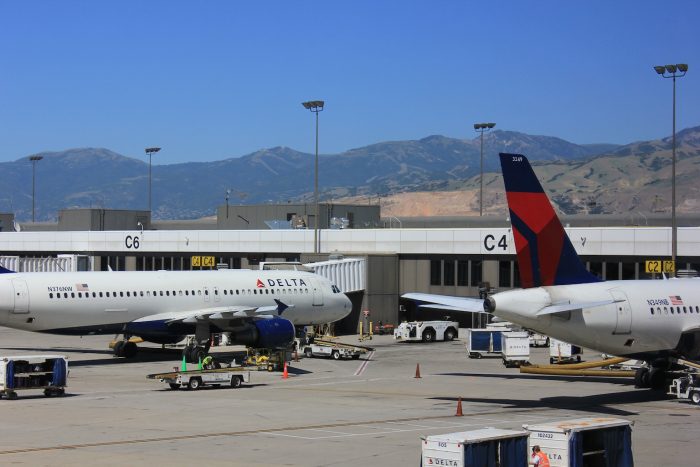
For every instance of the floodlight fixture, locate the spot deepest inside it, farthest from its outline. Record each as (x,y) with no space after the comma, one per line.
(315,107)
(150,152)
(673,71)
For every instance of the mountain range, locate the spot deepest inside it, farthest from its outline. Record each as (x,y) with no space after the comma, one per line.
(611,178)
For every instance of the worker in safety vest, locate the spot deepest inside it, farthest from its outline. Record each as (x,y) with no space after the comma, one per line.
(539,458)
(208,362)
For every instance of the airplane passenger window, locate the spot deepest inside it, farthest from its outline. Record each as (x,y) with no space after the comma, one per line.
(237,292)
(100,294)
(72,295)
(652,310)
(179,293)
(167,293)
(267,291)
(94,295)
(161,293)
(187,292)
(128,294)
(255,291)
(80,295)
(121,294)
(199,292)
(685,310)
(50,295)
(225,292)
(141,293)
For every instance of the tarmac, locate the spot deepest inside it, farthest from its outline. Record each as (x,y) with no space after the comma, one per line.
(367,412)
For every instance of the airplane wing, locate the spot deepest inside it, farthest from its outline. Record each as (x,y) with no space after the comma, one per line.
(217,313)
(566,307)
(446,302)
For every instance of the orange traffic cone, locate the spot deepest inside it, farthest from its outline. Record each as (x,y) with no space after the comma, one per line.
(285,373)
(417,370)
(459,408)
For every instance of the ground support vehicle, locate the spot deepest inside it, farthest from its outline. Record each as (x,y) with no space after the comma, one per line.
(268,359)
(596,441)
(195,379)
(426,331)
(538,340)
(563,352)
(515,348)
(686,387)
(44,372)
(334,350)
(484,342)
(472,448)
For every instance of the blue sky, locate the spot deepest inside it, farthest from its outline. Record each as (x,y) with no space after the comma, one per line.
(218,79)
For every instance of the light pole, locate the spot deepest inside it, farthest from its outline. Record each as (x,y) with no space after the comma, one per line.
(228,193)
(315,107)
(673,71)
(481,128)
(150,152)
(34,160)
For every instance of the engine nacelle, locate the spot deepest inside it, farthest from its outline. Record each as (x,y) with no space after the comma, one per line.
(265,333)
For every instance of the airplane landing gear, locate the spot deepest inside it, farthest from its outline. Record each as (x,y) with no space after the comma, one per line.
(194,353)
(651,378)
(125,349)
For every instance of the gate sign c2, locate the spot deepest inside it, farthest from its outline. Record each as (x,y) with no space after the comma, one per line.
(657,266)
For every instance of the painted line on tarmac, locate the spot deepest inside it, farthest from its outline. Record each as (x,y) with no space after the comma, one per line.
(228,434)
(363,366)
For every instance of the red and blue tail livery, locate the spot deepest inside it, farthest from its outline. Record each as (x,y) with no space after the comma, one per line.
(545,253)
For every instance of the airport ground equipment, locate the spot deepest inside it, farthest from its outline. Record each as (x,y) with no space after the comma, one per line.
(563,352)
(515,348)
(268,359)
(194,379)
(686,387)
(595,441)
(483,342)
(334,350)
(582,369)
(384,328)
(44,372)
(538,340)
(426,331)
(487,446)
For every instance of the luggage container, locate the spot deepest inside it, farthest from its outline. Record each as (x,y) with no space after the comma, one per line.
(515,347)
(477,448)
(563,352)
(43,372)
(599,441)
(484,342)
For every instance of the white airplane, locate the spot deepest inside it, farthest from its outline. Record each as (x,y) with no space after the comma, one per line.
(258,308)
(657,321)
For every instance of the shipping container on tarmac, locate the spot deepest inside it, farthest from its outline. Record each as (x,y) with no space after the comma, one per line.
(596,441)
(477,448)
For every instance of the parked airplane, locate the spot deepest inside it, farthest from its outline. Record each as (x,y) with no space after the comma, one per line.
(657,321)
(258,308)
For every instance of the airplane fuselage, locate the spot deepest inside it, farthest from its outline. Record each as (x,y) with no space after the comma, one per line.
(102,302)
(646,320)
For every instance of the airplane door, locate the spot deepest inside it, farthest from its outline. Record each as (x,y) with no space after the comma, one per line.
(21,296)
(7,296)
(318,293)
(623,312)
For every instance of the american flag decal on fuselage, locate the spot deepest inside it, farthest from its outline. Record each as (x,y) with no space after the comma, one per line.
(676,299)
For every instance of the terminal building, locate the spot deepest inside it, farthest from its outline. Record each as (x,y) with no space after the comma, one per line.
(372,259)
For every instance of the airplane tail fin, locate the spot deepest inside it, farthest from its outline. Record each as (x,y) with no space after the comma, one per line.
(545,253)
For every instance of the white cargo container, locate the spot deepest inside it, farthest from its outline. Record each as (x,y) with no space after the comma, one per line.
(44,372)
(515,348)
(584,441)
(563,352)
(472,448)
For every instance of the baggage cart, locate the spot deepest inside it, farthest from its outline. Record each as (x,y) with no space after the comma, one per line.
(484,342)
(195,379)
(487,446)
(515,348)
(563,352)
(591,441)
(48,373)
